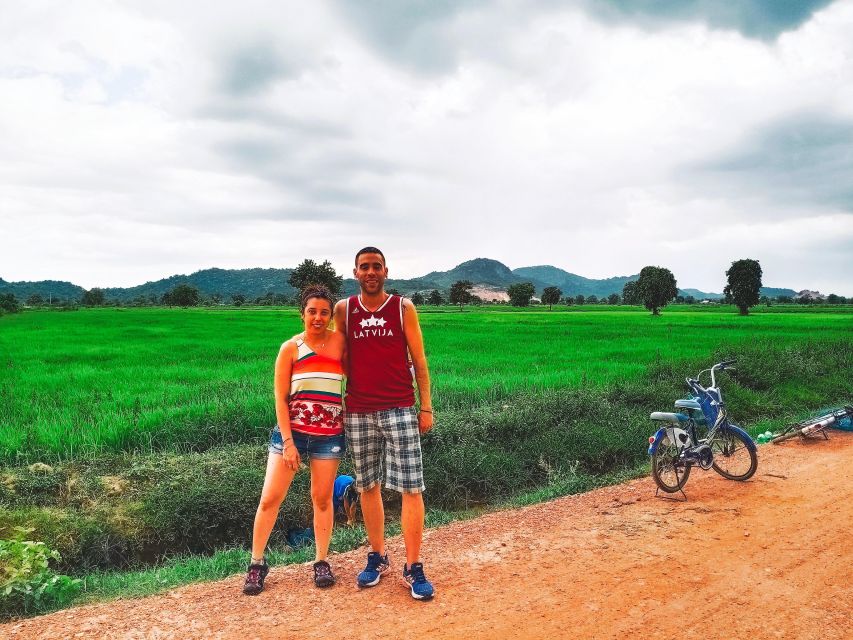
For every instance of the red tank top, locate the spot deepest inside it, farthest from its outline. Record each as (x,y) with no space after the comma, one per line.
(379,375)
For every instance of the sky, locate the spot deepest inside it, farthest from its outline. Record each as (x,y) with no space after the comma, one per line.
(142,139)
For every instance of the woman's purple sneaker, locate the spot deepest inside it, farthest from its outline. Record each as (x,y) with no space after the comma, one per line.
(323,576)
(255,578)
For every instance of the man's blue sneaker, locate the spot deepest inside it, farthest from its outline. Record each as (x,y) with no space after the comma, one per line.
(414,576)
(376,566)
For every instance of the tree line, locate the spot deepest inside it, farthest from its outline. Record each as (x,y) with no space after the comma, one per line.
(655,288)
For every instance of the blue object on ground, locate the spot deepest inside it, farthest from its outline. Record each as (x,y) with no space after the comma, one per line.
(341,484)
(845,424)
(300,537)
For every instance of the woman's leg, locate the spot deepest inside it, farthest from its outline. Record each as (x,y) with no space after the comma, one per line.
(276,484)
(323,474)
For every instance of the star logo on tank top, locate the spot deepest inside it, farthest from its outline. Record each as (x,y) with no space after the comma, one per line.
(372,321)
(354,310)
(373,327)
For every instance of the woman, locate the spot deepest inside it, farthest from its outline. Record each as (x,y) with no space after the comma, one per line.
(308,379)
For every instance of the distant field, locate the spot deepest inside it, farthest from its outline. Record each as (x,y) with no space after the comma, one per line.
(77,383)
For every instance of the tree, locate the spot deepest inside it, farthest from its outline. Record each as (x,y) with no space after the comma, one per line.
(569,300)
(238,299)
(460,292)
(435,298)
(184,295)
(309,272)
(417,298)
(784,299)
(393,291)
(9,303)
(551,295)
(613,298)
(657,288)
(520,293)
(93,297)
(630,293)
(35,300)
(593,299)
(744,285)
(689,300)
(579,299)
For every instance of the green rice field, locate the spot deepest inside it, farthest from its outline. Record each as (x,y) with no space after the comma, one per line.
(100,380)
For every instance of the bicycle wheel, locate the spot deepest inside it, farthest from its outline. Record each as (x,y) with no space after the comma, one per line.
(669,473)
(733,459)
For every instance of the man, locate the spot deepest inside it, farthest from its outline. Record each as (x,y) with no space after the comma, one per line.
(381,421)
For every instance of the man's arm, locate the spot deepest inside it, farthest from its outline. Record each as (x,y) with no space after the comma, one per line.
(415,342)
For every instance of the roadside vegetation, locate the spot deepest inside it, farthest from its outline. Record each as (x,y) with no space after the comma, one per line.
(133,441)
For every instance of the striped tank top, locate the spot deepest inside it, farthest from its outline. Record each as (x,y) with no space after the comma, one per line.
(315,393)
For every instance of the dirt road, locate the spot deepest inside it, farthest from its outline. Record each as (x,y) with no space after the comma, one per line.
(770,558)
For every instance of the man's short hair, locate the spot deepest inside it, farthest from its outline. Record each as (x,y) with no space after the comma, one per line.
(369,250)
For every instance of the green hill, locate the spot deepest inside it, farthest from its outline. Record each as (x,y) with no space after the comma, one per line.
(255,283)
(570,283)
(55,290)
(251,283)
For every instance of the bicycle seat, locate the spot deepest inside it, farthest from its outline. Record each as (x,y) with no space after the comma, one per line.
(688,404)
(669,417)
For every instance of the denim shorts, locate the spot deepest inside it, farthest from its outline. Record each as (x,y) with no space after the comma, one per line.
(320,447)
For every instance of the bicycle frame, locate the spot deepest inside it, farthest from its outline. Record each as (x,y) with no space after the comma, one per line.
(710,400)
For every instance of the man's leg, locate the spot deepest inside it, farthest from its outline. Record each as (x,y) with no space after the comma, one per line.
(413,525)
(406,475)
(365,443)
(373,512)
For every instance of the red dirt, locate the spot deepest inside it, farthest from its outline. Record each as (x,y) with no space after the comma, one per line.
(770,558)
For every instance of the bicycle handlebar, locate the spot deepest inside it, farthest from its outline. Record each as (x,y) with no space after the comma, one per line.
(720,365)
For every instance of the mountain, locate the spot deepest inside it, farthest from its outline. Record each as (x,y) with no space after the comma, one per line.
(775,292)
(478,271)
(572,284)
(254,283)
(700,295)
(55,290)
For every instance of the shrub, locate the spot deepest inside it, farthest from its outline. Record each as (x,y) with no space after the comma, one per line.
(27,583)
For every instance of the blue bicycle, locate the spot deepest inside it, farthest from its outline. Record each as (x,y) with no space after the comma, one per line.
(700,434)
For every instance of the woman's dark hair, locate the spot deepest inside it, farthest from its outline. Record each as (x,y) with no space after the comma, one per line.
(315,291)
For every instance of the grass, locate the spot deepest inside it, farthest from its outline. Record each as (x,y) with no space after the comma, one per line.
(176,571)
(154,420)
(141,380)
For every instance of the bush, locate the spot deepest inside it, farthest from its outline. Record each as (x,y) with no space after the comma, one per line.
(132,510)
(27,584)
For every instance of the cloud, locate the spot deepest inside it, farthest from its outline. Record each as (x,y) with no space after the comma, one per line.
(415,34)
(802,159)
(253,68)
(147,138)
(763,19)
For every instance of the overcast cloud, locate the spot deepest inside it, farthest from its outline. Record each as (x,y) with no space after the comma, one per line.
(143,139)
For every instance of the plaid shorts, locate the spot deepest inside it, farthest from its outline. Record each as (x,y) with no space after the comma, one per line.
(394,433)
